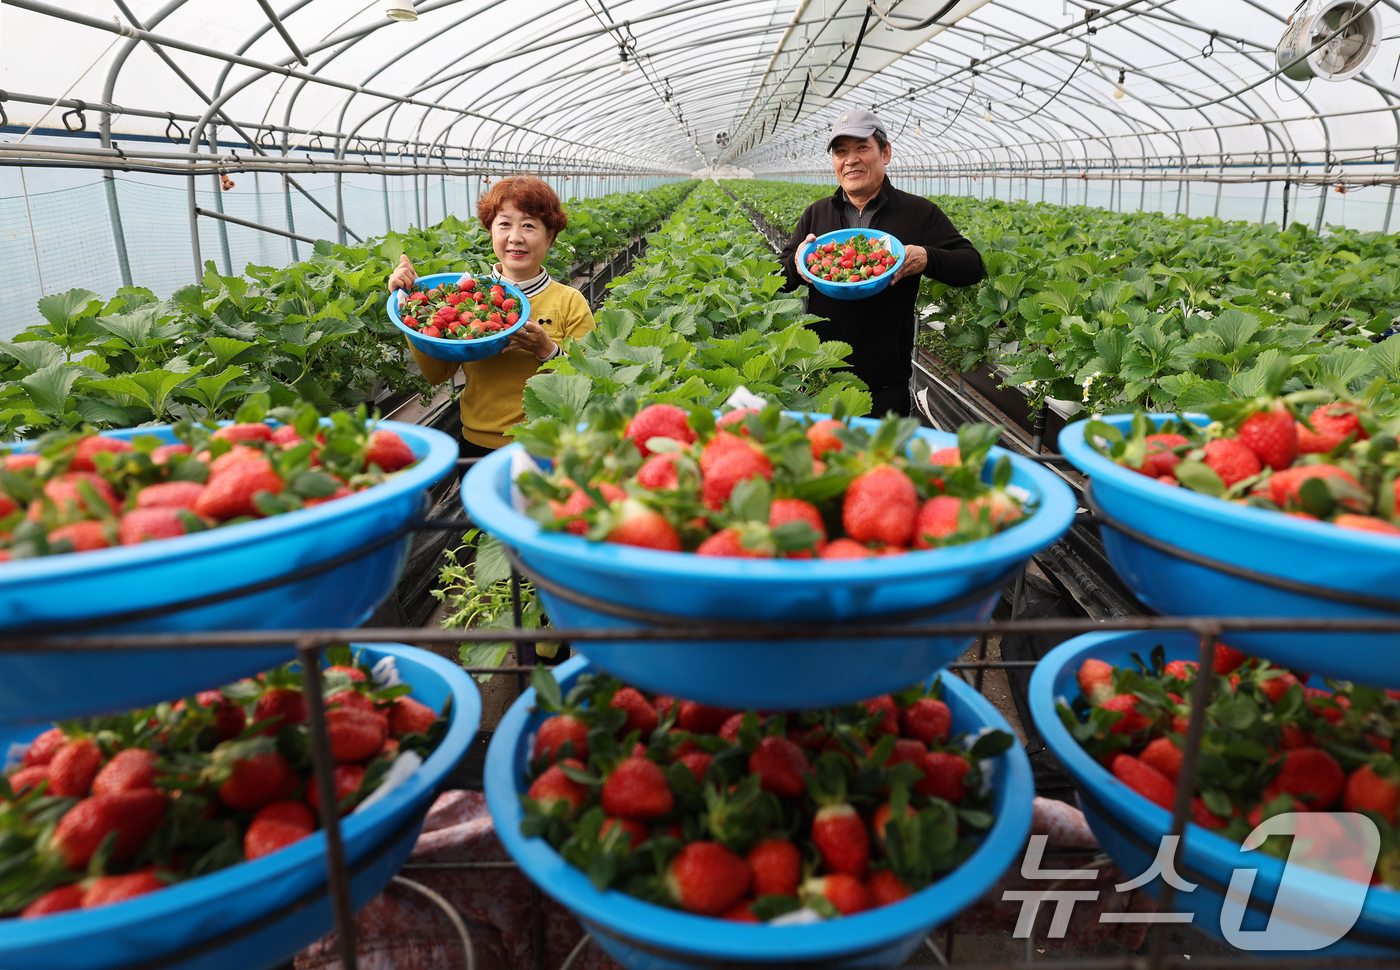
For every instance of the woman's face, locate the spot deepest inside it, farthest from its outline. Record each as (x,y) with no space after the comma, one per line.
(520,241)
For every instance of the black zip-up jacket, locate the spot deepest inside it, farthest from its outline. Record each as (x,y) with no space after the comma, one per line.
(881,328)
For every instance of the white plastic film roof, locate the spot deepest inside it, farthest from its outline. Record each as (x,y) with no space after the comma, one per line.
(750,83)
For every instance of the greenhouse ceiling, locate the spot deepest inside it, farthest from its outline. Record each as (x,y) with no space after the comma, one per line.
(1037,86)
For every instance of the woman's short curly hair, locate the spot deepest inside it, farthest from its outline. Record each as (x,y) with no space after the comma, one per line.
(530,195)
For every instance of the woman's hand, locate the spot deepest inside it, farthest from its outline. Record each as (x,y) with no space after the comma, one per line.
(532,337)
(403,276)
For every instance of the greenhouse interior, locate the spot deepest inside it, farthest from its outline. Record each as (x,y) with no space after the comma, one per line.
(579,485)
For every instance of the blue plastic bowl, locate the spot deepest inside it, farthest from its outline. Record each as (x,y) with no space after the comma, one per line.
(460,350)
(769,674)
(1130,827)
(1257,539)
(852,291)
(196,914)
(52,590)
(642,936)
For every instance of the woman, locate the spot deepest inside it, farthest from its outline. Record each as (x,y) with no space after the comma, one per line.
(524,217)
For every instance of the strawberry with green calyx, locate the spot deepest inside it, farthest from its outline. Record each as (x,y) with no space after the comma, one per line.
(836,894)
(55,901)
(776,865)
(637,790)
(246,774)
(838,831)
(115,889)
(738,816)
(1374,787)
(127,818)
(927,719)
(659,421)
(1330,428)
(277,826)
(567,733)
(641,716)
(1096,681)
(748,531)
(706,878)
(349,781)
(42,749)
(73,768)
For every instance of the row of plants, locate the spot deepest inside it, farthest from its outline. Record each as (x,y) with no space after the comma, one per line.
(1114,310)
(315,331)
(698,317)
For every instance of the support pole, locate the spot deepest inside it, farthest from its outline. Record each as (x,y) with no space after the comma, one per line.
(291,223)
(222,217)
(194,230)
(109,182)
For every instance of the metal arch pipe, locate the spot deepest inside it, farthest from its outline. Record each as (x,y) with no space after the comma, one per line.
(282,29)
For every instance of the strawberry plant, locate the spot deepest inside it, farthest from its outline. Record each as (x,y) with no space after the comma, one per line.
(747,816)
(104,809)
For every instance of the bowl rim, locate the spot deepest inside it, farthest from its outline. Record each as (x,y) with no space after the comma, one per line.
(392,305)
(1053,517)
(205,892)
(841,235)
(1219,512)
(1139,813)
(437,455)
(673,931)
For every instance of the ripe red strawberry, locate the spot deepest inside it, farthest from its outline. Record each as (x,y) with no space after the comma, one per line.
(927,719)
(234,456)
(277,826)
(84,536)
(843,891)
(230,493)
(1275,687)
(256,781)
(553,787)
(1228,659)
(888,711)
(721,444)
(229,719)
(25,778)
(659,421)
(1370,792)
(908,750)
(1163,755)
(55,901)
(133,815)
(1327,711)
(785,510)
(73,768)
(347,778)
(252,431)
(91,445)
(142,525)
(658,472)
(1161,459)
(777,868)
(408,716)
(736,420)
(174,495)
(881,506)
(281,705)
(845,549)
(1365,523)
(698,762)
(42,749)
(780,765)
(1096,681)
(286,435)
(1295,737)
(63,493)
(1204,817)
(735,465)
(639,525)
(1146,780)
(21,461)
(1232,460)
(355,734)
(1182,669)
(637,790)
(730,542)
(116,889)
(387,450)
(128,770)
(1271,436)
(886,888)
(636,831)
(1311,775)
(937,519)
(641,716)
(164,453)
(1132,720)
(944,772)
(1284,485)
(1331,424)
(741,912)
(701,718)
(554,731)
(707,878)
(881,820)
(840,836)
(822,438)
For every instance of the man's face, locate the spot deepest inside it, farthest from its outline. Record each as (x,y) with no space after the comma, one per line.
(859,164)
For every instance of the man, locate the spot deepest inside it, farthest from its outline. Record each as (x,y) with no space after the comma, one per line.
(880,329)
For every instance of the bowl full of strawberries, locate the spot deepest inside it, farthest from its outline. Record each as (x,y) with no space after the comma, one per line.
(454,316)
(218,858)
(672,518)
(684,835)
(252,524)
(851,264)
(1281,749)
(1300,496)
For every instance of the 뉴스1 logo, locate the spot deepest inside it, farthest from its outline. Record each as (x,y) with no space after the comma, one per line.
(1342,844)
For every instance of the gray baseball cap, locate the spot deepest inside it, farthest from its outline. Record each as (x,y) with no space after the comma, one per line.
(858,123)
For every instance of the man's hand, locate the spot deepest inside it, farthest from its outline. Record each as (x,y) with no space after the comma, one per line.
(532,337)
(403,276)
(915,260)
(797,257)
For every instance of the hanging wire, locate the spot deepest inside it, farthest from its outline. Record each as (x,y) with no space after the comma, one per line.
(924,24)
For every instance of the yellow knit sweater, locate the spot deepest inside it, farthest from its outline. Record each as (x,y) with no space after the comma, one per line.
(492,397)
